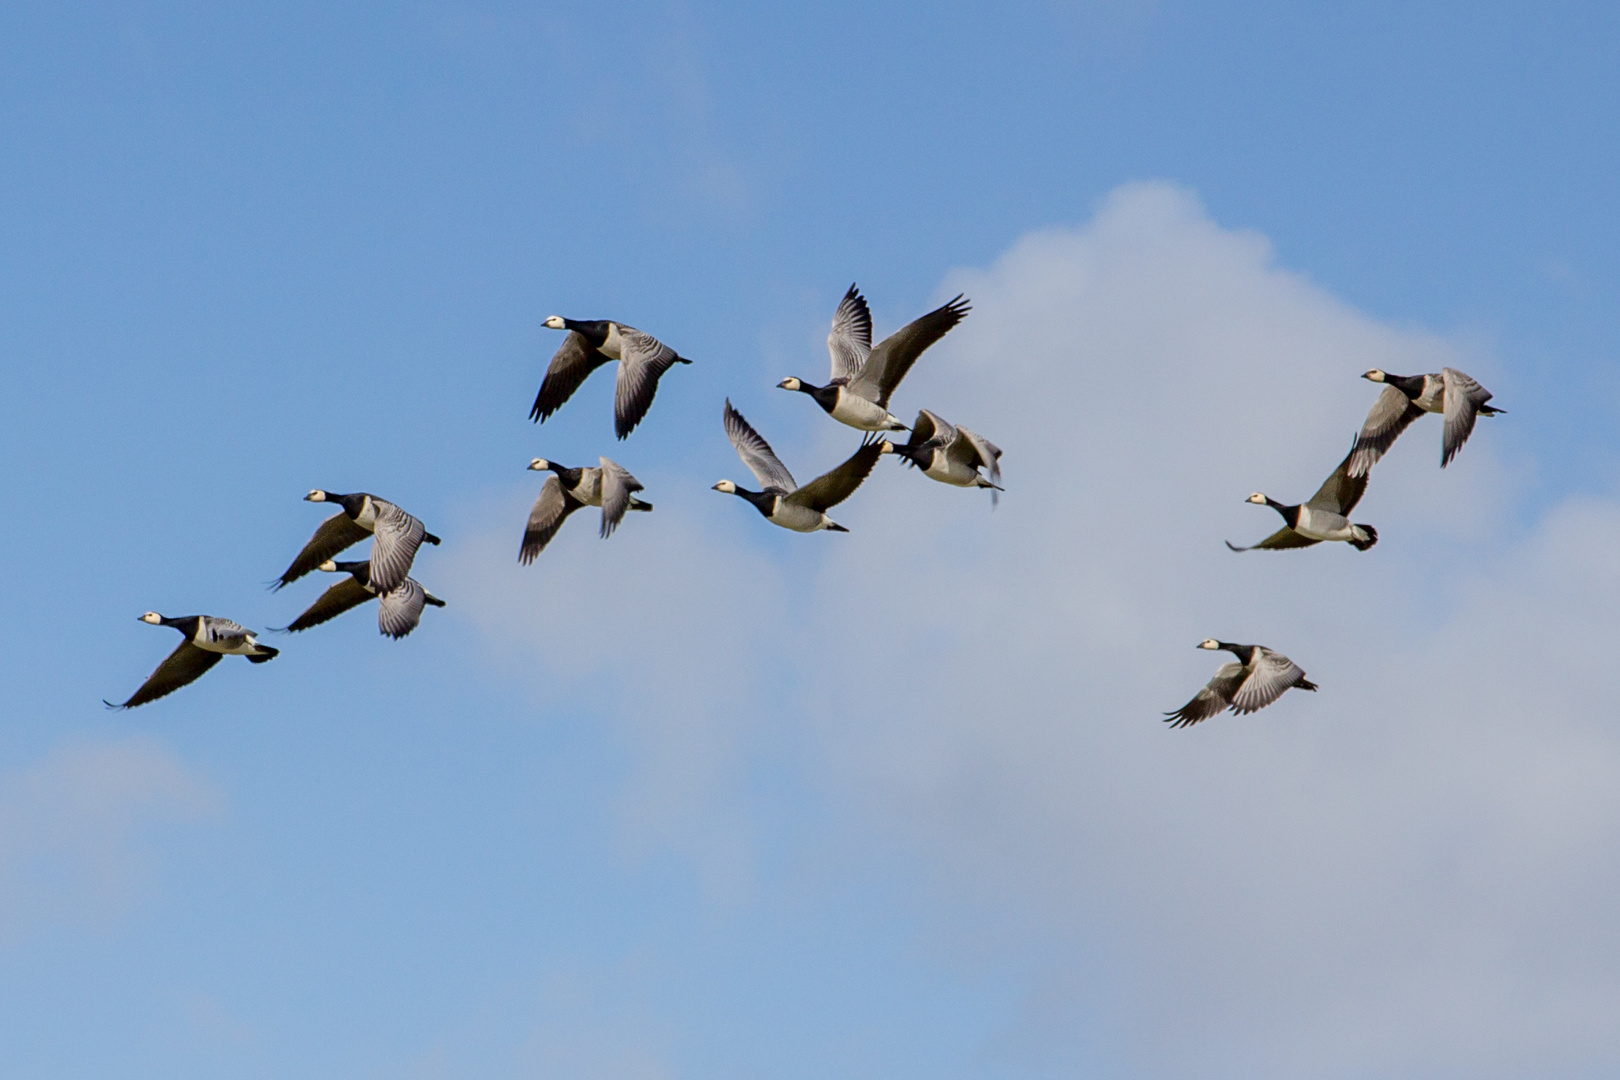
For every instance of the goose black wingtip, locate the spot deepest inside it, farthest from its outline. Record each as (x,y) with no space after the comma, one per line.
(114,708)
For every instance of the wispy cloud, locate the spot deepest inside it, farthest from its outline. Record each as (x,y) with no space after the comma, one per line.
(74,829)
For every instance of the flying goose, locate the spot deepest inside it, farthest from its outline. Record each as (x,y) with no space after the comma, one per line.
(1323,518)
(950,454)
(642,360)
(1245,687)
(1405,398)
(398,610)
(208,640)
(611,487)
(864,377)
(397,533)
(784,502)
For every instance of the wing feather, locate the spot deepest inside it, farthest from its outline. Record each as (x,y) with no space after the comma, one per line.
(850,342)
(1340,492)
(617,487)
(550,510)
(1213,698)
(342,596)
(336,534)
(828,490)
(571,365)
(398,535)
(1284,537)
(1464,396)
(757,454)
(1390,415)
(185,665)
(1272,674)
(893,357)
(644,361)
(399,610)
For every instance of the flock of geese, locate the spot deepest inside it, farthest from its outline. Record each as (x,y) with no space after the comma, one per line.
(856,394)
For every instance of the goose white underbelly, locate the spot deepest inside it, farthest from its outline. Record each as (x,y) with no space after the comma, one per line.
(233,646)
(589,491)
(791,515)
(947,470)
(367,518)
(861,414)
(1322,525)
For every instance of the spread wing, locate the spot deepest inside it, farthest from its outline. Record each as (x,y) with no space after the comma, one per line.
(850,342)
(1391,414)
(1213,698)
(186,664)
(399,611)
(757,454)
(573,362)
(892,358)
(1284,537)
(645,359)
(1340,492)
(1273,673)
(617,486)
(336,534)
(398,536)
(828,490)
(1464,396)
(551,509)
(346,594)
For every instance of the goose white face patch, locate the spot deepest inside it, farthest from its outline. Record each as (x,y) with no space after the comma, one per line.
(539,463)
(1256,498)
(555,322)
(152,617)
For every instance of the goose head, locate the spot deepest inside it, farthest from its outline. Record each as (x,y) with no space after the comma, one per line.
(556,322)
(1258,499)
(1209,643)
(1376,375)
(152,617)
(726,486)
(317,496)
(328,566)
(790,383)
(540,464)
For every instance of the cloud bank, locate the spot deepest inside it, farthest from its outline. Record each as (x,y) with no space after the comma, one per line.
(1406,874)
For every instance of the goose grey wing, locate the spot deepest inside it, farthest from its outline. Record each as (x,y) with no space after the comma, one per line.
(1390,415)
(185,665)
(756,453)
(644,361)
(399,610)
(1464,396)
(937,430)
(1272,674)
(551,509)
(1340,492)
(829,489)
(219,629)
(572,364)
(1213,698)
(978,452)
(336,534)
(398,535)
(346,594)
(1284,537)
(850,342)
(617,487)
(894,356)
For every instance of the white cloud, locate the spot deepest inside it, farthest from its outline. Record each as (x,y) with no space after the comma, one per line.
(73,828)
(1407,873)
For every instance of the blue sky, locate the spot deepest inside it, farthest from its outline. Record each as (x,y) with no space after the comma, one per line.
(711,799)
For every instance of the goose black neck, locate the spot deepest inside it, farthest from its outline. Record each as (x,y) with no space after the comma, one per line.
(1244,653)
(594,331)
(360,570)
(1289,514)
(186,624)
(1410,385)
(764,501)
(352,504)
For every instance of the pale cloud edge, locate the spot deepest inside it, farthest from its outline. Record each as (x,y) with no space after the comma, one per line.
(1406,874)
